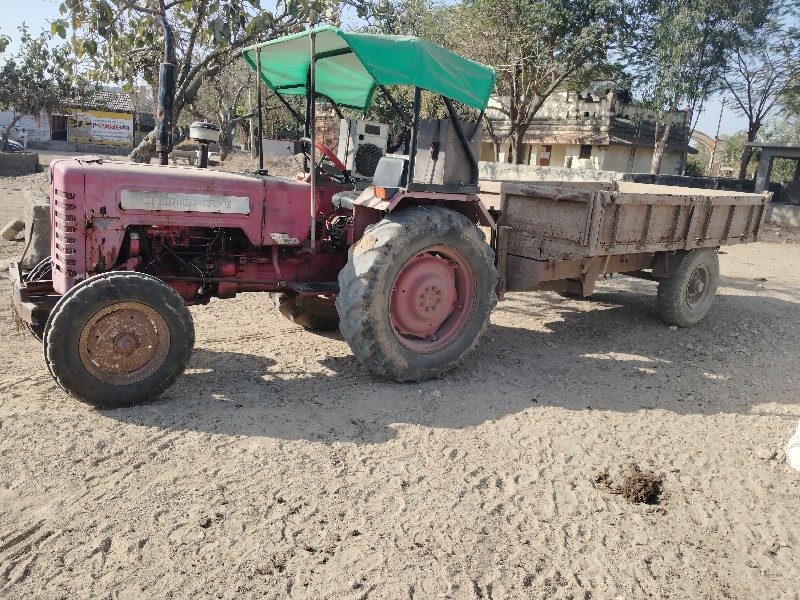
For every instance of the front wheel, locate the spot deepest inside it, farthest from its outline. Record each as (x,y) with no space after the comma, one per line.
(118,339)
(685,298)
(416,294)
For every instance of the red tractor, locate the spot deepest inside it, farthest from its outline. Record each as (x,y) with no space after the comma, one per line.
(395,257)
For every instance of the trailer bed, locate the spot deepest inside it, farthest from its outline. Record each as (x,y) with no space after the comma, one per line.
(550,233)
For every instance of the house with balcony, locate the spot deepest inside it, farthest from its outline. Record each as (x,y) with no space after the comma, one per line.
(588,131)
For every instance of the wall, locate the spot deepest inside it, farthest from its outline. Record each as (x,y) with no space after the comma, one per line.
(617,158)
(491,171)
(604,158)
(18,163)
(38,130)
(100,127)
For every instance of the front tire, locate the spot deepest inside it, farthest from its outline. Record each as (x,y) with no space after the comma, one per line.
(416,294)
(685,298)
(118,339)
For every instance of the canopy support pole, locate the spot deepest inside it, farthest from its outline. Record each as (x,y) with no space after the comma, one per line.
(289,107)
(412,151)
(477,124)
(311,125)
(260,135)
(394,103)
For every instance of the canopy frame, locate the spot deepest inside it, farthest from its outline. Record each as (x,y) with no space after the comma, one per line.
(311,93)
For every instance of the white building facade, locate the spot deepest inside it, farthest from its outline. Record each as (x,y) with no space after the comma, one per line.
(584,131)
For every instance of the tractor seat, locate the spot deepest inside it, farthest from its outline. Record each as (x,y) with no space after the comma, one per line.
(391,173)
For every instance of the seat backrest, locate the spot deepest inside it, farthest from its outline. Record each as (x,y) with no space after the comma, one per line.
(391,172)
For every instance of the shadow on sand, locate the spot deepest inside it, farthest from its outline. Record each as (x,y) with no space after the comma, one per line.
(609,353)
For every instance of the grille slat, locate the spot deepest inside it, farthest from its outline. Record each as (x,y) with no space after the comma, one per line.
(66,250)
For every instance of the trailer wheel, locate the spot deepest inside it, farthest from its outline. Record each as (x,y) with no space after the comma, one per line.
(416,293)
(118,339)
(685,297)
(313,313)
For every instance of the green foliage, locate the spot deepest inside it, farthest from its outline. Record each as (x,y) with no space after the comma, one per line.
(122,40)
(763,70)
(732,154)
(697,164)
(36,79)
(536,46)
(680,47)
(679,52)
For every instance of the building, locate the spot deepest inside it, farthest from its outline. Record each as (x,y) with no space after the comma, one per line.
(108,117)
(586,131)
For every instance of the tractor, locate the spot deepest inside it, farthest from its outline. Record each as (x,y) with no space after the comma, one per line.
(386,247)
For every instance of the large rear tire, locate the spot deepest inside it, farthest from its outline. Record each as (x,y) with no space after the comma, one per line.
(118,339)
(313,313)
(685,298)
(416,294)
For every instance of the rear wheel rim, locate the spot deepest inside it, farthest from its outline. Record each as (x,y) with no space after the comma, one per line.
(432,299)
(698,286)
(124,343)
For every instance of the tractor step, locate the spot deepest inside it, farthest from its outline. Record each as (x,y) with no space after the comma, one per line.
(314,288)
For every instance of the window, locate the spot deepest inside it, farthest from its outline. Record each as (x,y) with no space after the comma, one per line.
(586,151)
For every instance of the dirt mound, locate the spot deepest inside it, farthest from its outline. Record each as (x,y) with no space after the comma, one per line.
(637,486)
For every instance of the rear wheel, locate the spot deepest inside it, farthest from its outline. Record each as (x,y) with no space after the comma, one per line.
(416,293)
(685,298)
(118,339)
(314,312)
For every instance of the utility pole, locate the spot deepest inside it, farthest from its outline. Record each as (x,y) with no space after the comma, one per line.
(716,141)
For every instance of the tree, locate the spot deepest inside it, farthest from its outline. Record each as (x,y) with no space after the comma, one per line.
(36,79)
(680,53)
(222,99)
(732,154)
(697,164)
(761,71)
(536,47)
(119,39)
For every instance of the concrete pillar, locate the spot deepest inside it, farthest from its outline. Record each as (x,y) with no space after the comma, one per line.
(764,171)
(37,225)
(794,189)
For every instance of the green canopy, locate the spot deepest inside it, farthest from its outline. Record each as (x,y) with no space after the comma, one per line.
(350,66)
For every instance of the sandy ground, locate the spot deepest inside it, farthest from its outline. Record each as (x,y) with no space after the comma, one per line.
(278,467)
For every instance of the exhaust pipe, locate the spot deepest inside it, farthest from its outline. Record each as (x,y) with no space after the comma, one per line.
(166,98)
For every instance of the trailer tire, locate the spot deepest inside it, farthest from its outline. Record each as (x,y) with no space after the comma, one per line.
(417,249)
(118,339)
(685,297)
(313,313)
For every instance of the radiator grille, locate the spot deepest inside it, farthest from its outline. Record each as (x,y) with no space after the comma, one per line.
(66,250)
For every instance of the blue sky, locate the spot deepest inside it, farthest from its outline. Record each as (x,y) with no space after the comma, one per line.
(38,14)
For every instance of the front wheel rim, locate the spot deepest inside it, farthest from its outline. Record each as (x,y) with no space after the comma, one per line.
(432,299)
(124,343)
(698,286)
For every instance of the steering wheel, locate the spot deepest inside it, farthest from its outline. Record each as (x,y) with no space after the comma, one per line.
(326,153)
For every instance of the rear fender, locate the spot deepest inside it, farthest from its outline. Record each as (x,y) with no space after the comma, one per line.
(468,205)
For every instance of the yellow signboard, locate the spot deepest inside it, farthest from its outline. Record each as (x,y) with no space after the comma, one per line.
(99,127)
